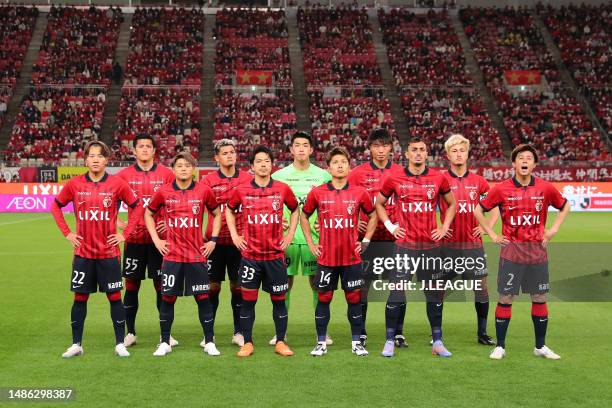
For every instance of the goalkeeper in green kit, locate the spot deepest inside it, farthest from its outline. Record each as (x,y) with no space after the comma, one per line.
(302,176)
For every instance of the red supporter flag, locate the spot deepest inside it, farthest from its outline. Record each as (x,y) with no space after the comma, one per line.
(249,77)
(531,77)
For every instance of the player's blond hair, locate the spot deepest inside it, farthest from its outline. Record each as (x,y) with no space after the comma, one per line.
(455,140)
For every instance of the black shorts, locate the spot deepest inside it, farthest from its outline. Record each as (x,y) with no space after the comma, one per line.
(222,258)
(184,278)
(531,278)
(91,275)
(326,279)
(466,263)
(137,258)
(426,264)
(271,275)
(373,260)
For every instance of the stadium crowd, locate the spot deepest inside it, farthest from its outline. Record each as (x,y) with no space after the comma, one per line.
(16,27)
(582,34)
(435,88)
(253,40)
(508,39)
(161,91)
(342,76)
(65,104)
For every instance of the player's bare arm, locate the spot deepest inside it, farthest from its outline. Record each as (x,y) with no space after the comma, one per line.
(552,231)
(444,230)
(293,222)
(493,217)
(487,226)
(160,244)
(230,219)
(369,231)
(381,212)
(305,224)
(210,245)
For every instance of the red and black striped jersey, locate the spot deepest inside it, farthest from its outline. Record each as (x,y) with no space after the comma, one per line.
(223,187)
(417,199)
(524,210)
(145,183)
(183,211)
(262,214)
(370,177)
(467,191)
(96,205)
(338,212)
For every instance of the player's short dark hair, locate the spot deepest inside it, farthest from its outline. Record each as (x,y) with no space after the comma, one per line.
(144,136)
(524,147)
(301,135)
(338,151)
(379,135)
(97,143)
(414,139)
(185,156)
(261,149)
(224,143)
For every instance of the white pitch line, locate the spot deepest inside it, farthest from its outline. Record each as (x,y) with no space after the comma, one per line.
(22,221)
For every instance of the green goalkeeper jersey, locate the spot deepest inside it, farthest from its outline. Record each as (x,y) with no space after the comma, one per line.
(301,182)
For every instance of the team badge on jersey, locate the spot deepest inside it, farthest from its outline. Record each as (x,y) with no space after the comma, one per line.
(106,202)
(195,209)
(430,193)
(275,205)
(350,208)
(473,195)
(538,205)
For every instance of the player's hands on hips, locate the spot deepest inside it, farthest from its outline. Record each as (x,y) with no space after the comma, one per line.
(399,232)
(208,248)
(361,226)
(361,247)
(161,246)
(548,235)
(286,241)
(75,240)
(160,227)
(440,233)
(115,239)
(315,250)
(500,239)
(478,232)
(239,242)
(121,224)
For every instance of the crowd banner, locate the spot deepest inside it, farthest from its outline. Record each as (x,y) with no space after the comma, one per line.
(8,173)
(550,173)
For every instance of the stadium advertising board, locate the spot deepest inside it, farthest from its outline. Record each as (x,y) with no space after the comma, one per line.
(37,197)
(66,173)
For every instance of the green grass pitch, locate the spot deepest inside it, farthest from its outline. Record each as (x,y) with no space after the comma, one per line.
(34,318)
